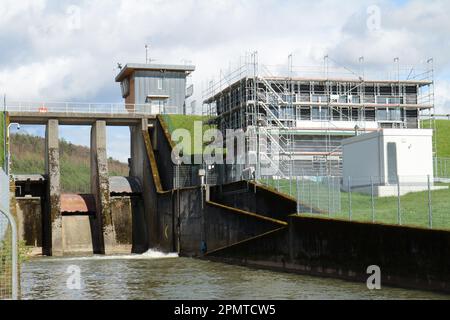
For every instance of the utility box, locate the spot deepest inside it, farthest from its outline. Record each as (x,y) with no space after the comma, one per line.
(378,161)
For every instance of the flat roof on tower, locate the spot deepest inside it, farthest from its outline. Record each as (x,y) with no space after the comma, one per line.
(131,67)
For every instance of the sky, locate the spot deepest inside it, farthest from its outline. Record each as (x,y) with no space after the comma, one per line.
(69,50)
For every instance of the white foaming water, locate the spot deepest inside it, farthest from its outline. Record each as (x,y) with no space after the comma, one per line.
(150,254)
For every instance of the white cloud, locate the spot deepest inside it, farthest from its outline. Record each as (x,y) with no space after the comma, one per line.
(53,53)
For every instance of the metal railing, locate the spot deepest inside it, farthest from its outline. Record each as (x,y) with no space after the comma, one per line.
(416,201)
(81,107)
(9,282)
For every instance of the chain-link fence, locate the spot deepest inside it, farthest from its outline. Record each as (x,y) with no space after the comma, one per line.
(442,168)
(417,201)
(314,194)
(8,245)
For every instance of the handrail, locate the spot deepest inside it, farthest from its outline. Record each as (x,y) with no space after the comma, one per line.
(86,107)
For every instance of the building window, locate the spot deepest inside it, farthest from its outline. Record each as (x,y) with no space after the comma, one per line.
(125,87)
(382,115)
(315,113)
(160,83)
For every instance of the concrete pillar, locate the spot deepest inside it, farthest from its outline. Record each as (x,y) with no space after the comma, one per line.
(53,219)
(103,238)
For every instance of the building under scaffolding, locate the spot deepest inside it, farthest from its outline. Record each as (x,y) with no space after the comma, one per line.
(311,112)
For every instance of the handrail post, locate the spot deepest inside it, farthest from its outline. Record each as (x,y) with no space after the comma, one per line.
(430,209)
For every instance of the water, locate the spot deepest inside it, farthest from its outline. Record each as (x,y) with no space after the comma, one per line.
(158,276)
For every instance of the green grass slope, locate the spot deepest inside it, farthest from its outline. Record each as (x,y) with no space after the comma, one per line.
(442,136)
(27,153)
(188,122)
(414,207)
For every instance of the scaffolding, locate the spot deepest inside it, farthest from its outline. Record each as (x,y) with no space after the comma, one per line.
(306,111)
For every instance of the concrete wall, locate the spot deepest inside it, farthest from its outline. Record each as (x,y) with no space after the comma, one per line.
(129,223)
(29,220)
(408,257)
(140,170)
(77,234)
(213,224)
(163,150)
(246,196)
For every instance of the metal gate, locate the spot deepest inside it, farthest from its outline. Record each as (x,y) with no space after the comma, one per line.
(8,245)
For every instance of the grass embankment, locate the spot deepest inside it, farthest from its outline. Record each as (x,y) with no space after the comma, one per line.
(442,136)
(187,122)
(27,153)
(414,207)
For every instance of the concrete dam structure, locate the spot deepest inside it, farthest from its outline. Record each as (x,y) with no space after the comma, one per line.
(167,206)
(105,221)
(240,223)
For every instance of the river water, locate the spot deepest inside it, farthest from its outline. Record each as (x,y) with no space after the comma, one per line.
(154,275)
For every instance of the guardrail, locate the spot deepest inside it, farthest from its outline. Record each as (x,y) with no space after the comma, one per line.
(81,107)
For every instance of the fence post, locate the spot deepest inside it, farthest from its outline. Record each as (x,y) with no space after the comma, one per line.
(317,191)
(329,203)
(298,196)
(372,199)
(445,168)
(430,209)
(310,197)
(290,184)
(350,198)
(399,213)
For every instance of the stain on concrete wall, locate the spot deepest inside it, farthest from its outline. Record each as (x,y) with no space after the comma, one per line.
(121,214)
(29,220)
(77,234)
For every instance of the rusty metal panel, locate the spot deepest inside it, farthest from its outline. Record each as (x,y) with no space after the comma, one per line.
(77,203)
